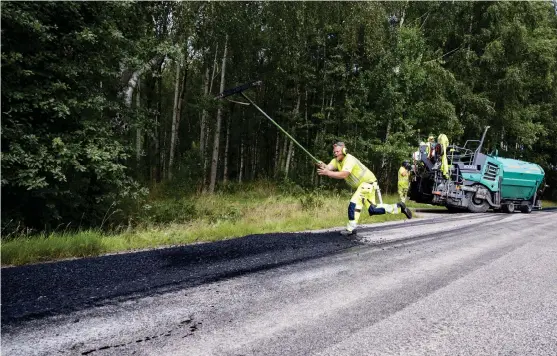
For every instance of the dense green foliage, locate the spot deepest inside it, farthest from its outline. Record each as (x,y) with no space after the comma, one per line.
(103,100)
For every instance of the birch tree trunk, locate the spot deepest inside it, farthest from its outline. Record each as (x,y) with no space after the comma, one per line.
(254,159)
(384,172)
(225,173)
(241,161)
(215,159)
(157,134)
(203,124)
(138,131)
(288,158)
(330,106)
(324,76)
(164,162)
(180,103)
(215,66)
(283,153)
(133,80)
(204,134)
(175,119)
(317,143)
(277,154)
(295,113)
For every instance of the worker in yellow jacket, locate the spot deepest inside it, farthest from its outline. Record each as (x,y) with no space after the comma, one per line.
(403,180)
(347,167)
(444,142)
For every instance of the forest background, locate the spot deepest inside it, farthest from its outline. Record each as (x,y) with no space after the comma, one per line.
(108,108)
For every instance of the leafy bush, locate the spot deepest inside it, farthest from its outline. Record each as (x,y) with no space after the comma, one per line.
(289,187)
(167,211)
(312,200)
(231,214)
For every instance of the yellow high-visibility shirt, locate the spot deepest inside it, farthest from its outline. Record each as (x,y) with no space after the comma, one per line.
(358,172)
(403,181)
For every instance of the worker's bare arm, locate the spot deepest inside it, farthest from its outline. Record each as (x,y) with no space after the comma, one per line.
(330,173)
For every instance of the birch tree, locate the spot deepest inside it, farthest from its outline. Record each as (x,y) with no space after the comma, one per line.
(216,141)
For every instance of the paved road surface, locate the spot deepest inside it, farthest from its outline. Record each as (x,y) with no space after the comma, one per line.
(447,284)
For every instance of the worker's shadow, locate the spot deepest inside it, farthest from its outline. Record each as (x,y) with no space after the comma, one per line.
(40,290)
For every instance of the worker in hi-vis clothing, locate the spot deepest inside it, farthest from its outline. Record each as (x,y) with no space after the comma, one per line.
(444,142)
(347,167)
(403,180)
(430,146)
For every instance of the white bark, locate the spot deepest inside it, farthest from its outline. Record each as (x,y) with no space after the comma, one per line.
(402,16)
(214,67)
(202,134)
(295,113)
(134,80)
(254,159)
(241,161)
(215,159)
(225,173)
(284,152)
(138,142)
(384,172)
(175,119)
(277,153)
(288,158)
(329,107)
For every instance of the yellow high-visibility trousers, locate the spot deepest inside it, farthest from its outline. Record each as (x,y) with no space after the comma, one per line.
(364,196)
(402,193)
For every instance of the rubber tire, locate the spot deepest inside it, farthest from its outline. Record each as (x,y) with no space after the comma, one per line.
(509,209)
(474,207)
(526,209)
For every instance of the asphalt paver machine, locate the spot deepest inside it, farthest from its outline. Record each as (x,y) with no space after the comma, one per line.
(464,178)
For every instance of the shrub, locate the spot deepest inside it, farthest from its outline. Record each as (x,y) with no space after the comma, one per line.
(312,200)
(167,211)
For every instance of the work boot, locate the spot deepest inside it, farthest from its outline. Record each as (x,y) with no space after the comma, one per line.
(405,210)
(347,233)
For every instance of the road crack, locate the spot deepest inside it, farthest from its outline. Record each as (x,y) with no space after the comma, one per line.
(189,324)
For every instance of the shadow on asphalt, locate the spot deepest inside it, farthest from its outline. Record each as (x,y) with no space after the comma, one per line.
(443,211)
(36,291)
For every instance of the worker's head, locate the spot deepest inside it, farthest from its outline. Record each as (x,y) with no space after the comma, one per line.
(339,150)
(430,138)
(406,165)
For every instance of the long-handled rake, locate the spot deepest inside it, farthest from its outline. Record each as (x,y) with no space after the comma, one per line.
(240,90)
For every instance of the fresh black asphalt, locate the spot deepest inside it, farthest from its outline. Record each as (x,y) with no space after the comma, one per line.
(39,290)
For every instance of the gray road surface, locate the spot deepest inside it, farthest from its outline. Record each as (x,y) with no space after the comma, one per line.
(447,284)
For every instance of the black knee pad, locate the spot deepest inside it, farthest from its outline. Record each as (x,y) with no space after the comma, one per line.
(373,210)
(351,211)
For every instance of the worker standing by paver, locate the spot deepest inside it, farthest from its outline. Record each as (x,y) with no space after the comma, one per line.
(347,167)
(444,142)
(403,180)
(430,146)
